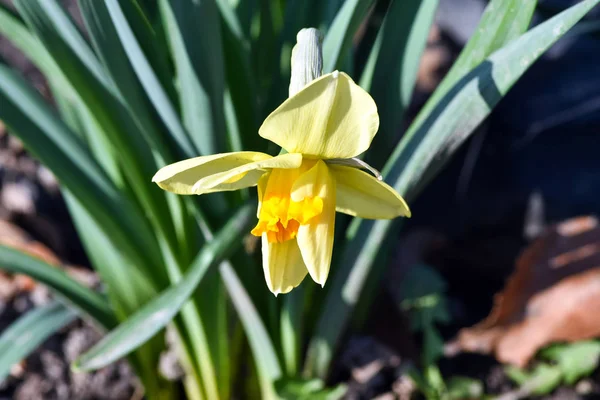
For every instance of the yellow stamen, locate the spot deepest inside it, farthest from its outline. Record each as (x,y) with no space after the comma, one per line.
(281,217)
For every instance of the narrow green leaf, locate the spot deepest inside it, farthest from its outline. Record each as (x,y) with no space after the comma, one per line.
(110,51)
(149,80)
(24,336)
(291,329)
(262,347)
(13,28)
(147,25)
(338,39)
(501,22)
(298,14)
(329,10)
(245,11)
(241,105)
(155,315)
(194,32)
(79,120)
(49,18)
(88,301)
(423,151)
(263,46)
(391,69)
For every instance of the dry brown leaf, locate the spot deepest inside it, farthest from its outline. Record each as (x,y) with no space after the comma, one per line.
(552,296)
(13,236)
(564,313)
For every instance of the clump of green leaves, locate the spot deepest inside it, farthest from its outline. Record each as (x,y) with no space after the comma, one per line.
(565,364)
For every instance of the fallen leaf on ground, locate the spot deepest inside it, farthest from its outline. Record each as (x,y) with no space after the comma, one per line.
(552,296)
(15,237)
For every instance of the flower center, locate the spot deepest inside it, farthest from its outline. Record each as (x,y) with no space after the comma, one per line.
(280,217)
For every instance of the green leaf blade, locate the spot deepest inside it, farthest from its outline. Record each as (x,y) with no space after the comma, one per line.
(265,355)
(338,39)
(194,32)
(391,69)
(24,336)
(88,301)
(150,80)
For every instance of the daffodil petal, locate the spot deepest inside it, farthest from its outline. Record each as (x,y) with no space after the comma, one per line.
(181,176)
(244,174)
(332,117)
(315,238)
(360,194)
(283,265)
(262,186)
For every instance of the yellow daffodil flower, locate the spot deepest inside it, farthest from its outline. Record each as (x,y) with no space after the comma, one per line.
(299,192)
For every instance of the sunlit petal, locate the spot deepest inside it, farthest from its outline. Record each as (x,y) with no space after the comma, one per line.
(362,195)
(315,238)
(181,176)
(242,175)
(283,265)
(332,117)
(262,186)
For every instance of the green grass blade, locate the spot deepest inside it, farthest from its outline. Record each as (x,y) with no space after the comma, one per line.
(501,22)
(420,156)
(263,45)
(391,69)
(25,334)
(194,33)
(110,51)
(245,12)
(149,79)
(49,17)
(329,10)
(338,39)
(86,300)
(159,312)
(241,108)
(77,117)
(13,28)
(145,20)
(291,329)
(261,345)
